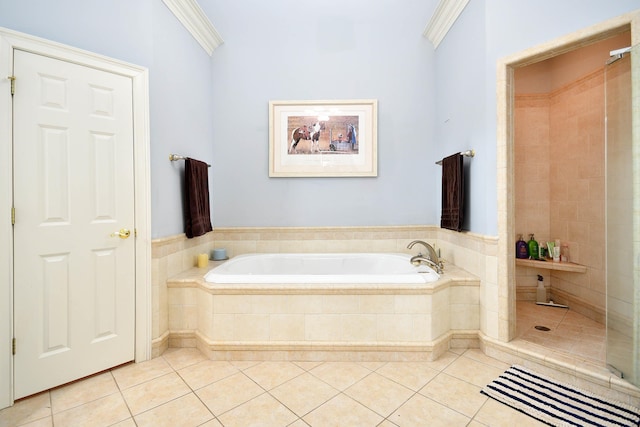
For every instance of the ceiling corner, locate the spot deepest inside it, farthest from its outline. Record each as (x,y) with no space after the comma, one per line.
(442,20)
(191,15)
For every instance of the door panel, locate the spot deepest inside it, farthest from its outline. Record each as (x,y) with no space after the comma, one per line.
(623,312)
(73,188)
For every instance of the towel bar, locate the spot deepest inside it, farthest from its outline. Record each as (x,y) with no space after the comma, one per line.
(468,153)
(176,157)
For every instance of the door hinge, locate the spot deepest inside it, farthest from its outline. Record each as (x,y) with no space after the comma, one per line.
(13,346)
(13,216)
(13,84)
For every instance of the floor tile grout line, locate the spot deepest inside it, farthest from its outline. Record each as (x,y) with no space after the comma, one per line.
(194,391)
(50,406)
(142,382)
(174,371)
(79,405)
(291,379)
(384,417)
(304,415)
(122,397)
(480,408)
(450,408)
(199,399)
(400,384)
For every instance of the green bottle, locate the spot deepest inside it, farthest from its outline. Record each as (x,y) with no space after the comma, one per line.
(533,247)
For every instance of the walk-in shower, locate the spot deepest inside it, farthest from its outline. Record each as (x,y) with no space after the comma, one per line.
(574,122)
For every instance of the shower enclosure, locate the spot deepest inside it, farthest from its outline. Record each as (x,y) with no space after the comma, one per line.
(623,214)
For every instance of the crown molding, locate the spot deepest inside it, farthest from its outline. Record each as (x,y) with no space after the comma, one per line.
(191,15)
(442,20)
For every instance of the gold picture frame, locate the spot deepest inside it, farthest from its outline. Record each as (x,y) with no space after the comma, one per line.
(323,138)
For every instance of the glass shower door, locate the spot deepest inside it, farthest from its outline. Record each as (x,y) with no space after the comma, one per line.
(622,225)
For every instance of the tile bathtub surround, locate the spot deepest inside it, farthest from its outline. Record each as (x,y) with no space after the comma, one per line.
(170,256)
(474,253)
(183,388)
(412,322)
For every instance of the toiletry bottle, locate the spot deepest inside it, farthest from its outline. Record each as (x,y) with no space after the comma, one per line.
(556,251)
(522,251)
(533,247)
(564,252)
(541,293)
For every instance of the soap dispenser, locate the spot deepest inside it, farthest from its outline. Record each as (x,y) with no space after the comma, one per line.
(522,251)
(533,247)
(541,293)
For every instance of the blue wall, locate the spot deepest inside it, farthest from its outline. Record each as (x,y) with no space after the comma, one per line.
(430,103)
(288,50)
(466,77)
(146,33)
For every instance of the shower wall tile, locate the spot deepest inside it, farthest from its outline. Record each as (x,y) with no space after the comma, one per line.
(569,124)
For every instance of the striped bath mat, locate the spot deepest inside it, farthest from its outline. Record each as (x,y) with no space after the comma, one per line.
(558,404)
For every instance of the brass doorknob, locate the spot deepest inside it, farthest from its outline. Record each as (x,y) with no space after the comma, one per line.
(123,233)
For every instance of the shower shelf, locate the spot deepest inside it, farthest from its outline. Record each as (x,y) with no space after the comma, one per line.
(550,265)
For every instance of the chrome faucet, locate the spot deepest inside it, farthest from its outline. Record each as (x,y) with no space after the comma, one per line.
(430,259)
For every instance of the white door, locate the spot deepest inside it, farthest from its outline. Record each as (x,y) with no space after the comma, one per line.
(74,281)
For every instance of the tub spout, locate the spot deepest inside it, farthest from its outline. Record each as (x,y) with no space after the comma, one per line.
(420,259)
(431,258)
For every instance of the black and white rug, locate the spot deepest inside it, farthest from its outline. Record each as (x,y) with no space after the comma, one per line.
(558,404)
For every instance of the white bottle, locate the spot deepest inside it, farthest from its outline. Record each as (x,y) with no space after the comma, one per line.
(541,292)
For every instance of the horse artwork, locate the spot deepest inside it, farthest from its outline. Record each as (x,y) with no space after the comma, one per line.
(296,135)
(315,137)
(323,138)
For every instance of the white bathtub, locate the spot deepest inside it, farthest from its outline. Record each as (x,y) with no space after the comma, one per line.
(316,268)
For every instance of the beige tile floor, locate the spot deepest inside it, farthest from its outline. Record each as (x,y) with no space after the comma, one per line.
(183,388)
(570,332)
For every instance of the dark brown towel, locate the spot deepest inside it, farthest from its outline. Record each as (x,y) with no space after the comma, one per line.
(196,180)
(452,192)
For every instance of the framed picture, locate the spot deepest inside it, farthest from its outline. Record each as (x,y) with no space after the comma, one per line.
(323,138)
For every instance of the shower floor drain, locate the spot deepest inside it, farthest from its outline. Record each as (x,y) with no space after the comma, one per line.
(542,328)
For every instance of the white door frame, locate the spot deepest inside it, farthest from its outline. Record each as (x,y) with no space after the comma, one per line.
(10,40)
